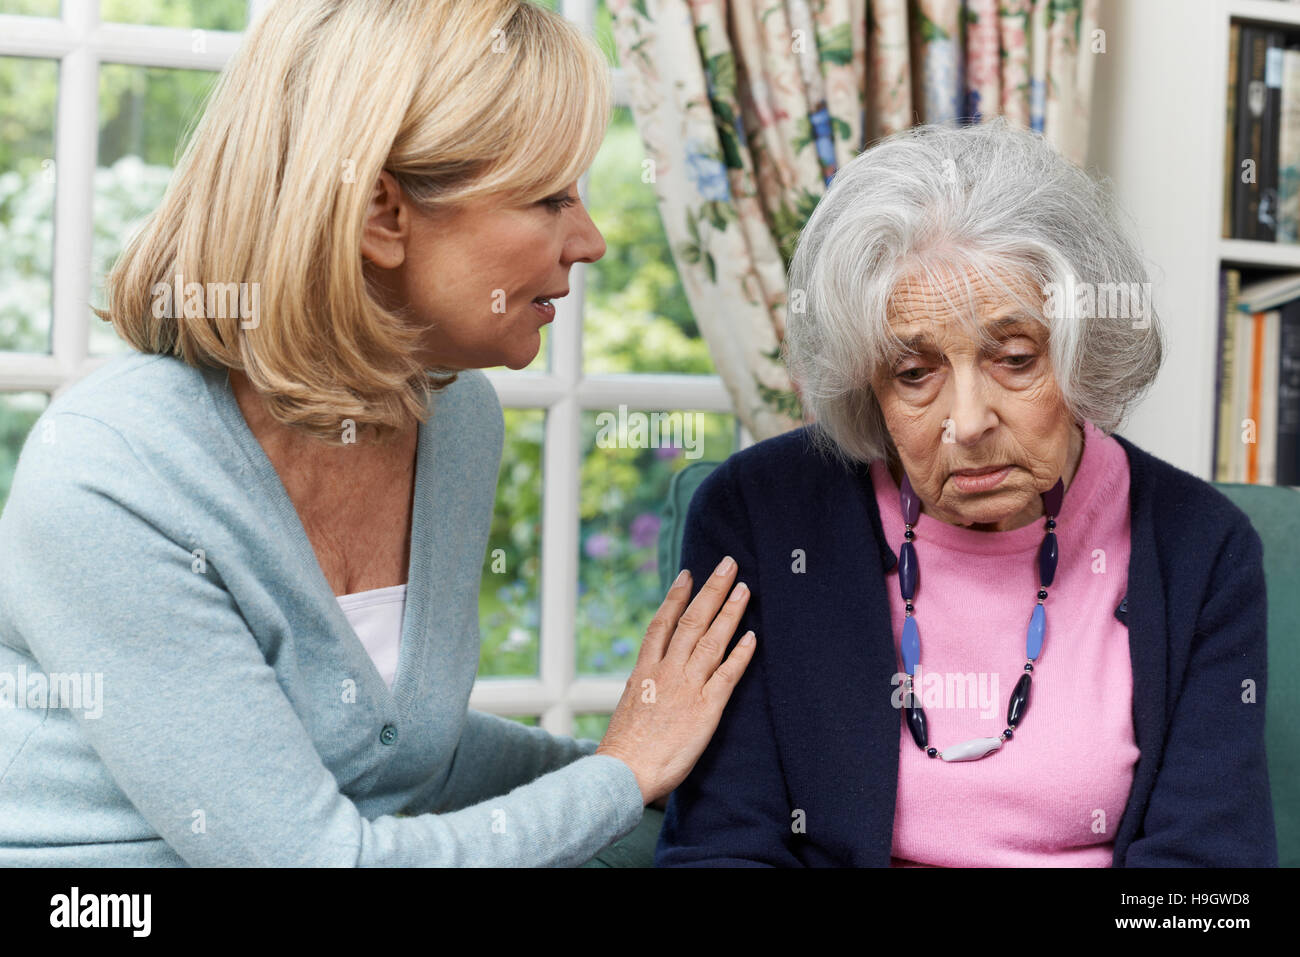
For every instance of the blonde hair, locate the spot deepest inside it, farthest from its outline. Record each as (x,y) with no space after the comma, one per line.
(462,101)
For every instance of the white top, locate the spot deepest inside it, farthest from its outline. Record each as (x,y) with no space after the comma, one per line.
(376,617)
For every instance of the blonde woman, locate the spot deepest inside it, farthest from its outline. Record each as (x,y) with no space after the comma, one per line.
(187,524)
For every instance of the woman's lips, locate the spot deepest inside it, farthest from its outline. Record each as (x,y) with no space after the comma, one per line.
(982,480)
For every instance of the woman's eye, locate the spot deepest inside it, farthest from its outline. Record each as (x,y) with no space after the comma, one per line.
(1016,363)
(557,203)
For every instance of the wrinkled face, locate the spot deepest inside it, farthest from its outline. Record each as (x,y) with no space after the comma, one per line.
(959,405)
(470,276)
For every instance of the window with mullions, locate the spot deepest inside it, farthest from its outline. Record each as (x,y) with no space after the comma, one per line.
(569,580)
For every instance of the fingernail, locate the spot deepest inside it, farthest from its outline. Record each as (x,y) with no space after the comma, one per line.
(725,566)
(748,639)
(681,577)
(738,592)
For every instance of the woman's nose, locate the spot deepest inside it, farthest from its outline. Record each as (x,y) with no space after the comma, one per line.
(587,244)
(972,413)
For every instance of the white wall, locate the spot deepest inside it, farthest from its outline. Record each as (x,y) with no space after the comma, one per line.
(1157,133)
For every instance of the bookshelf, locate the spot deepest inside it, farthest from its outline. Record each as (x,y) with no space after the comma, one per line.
(1255,260)
(1158,133)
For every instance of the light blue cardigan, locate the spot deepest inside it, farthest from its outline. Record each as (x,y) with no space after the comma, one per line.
(149,544)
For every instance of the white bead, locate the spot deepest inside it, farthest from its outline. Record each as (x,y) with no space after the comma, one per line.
(971,750)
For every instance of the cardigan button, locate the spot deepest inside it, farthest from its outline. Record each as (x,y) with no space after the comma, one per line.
(389,734)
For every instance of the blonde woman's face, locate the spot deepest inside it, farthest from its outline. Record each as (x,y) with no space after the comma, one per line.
(956,406)
(470,277)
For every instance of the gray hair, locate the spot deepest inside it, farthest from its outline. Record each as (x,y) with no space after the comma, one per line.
(936,201)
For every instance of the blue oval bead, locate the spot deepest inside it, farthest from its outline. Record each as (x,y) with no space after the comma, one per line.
(1047,559)
(908,570)
(1034,639)
(910,645)
(908,500)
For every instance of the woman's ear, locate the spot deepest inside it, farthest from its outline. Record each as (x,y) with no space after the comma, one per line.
(388,224)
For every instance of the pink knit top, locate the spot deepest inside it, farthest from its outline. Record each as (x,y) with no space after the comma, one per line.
(1053,795)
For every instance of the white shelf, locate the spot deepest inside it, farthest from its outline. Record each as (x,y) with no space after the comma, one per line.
(1265,11)
(1248,252)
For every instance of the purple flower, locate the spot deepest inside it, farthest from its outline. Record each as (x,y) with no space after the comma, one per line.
(598,661)
(644,530)
(621,647)
(667,451)
(597,546)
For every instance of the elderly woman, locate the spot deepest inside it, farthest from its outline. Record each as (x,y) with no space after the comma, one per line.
(994,633)
(257,541)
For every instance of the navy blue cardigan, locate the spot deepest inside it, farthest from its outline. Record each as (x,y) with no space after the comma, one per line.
(811,726)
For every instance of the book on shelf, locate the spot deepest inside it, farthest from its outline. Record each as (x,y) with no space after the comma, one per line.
(1257,381)
(1288,165)
(1262,135)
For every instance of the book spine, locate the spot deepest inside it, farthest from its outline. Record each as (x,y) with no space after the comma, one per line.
(1241,394)
(1251,99)
(1227,429)
(1268,399)
(1288,396)
(1288,162)
(1230,129)
(1266,215)
(1256,382)
(1218,373)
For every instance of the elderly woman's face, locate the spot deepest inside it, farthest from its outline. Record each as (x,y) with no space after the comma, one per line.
(470,277)
(956,406)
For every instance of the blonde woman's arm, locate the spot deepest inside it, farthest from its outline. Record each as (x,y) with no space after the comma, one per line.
(194,724)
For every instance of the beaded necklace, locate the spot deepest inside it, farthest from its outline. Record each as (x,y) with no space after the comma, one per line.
(910,645)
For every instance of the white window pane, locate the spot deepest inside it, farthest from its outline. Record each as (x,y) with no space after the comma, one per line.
(625,476)
(604,30)
(510,592)
(144,115)
(29,91)
(201,14)
(591,726)
(636,315)
(18,412)
(30,8)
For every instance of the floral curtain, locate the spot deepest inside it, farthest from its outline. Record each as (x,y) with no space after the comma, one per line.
(747,108)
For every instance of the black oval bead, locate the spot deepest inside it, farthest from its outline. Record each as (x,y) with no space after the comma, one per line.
(1047,559)
(932,752)
(909,534)
(1051,523)
(1019,701)
(916,724)
(1029,666)
(1042,594)
(1007,734)
(907,570)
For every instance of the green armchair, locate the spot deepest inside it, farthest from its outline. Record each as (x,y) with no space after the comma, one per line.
(1275,513)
